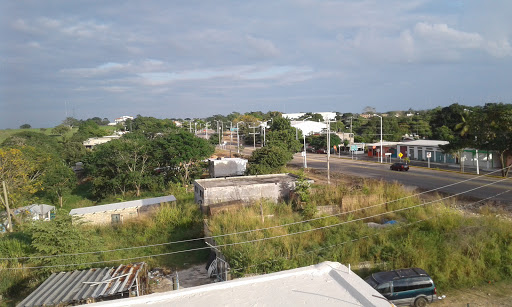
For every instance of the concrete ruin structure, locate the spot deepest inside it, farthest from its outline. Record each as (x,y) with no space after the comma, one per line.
(227,167)
(245,189)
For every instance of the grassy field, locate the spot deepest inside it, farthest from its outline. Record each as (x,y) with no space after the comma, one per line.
(458,250)
(5,133)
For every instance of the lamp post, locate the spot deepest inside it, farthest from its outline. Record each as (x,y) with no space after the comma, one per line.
(328,150)
(305,161)
(380,136)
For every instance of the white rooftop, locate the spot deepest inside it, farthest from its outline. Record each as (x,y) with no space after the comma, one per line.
(123,205)
(432,143)
(324,284)
(384,143)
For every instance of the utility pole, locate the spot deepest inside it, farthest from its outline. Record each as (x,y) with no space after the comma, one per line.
(263,127)
(230,138)
(305,161)
(206,129)
(381,153)
(254,135)
(328,150)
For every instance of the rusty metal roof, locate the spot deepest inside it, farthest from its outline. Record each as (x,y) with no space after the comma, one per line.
(78,286)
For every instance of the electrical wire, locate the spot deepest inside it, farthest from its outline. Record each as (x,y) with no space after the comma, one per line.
(251,230)
(360,238)
(260,239)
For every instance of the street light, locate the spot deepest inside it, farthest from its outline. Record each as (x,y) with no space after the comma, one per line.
(381,152)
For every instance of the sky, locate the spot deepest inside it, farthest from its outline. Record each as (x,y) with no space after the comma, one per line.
(193,59)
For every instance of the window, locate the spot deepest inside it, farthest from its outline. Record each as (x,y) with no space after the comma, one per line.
(116,218)
(384,288)
(414,283)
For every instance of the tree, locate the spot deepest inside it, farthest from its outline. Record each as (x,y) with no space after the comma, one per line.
(183,152)
(268,160)
(61,237)
(58,180)
(369,110)
(25,126)
(88,129)
(283,135)
(20,171)
(121,165)
(490,128)
(61,129)
(71,122)
(150,126)
(320,141)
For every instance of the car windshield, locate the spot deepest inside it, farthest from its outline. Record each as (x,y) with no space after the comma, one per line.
(371,282)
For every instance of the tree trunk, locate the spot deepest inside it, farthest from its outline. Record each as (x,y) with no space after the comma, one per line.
(5,201)
(504,167)
(60,200)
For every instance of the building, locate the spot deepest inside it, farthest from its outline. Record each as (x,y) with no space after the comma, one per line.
(36,212)
(245,189)
(119,212)
(325,284)
(325,115)
(309,127)
(91,142)
(346,136)
(120,120)
(389,148)
(89,286)
(419,149)
(227,167)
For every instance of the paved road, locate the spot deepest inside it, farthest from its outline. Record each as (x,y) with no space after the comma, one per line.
(479,187)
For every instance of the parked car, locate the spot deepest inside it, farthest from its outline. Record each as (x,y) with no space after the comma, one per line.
(409,287)
(321,151)
(399,166)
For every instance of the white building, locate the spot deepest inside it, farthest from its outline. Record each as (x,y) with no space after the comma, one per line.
(325,284)
(417,150)
(309,127)
(325,115)
(91,142)
(120,120)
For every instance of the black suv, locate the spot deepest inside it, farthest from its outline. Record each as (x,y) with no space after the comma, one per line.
(399,166)
(411,287)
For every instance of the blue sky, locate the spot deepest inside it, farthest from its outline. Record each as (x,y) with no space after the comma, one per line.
(198,58)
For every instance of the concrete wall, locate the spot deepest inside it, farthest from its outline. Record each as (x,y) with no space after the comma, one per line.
(227,167)
(105,217)
(246,193)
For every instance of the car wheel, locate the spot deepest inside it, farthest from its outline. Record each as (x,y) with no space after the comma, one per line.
(420,302)
(407,170)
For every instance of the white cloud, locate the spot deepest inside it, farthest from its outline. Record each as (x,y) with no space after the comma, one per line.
(263,46)
(445,39)
(102,69)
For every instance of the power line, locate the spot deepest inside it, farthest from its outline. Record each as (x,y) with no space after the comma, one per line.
(253,230)
(363,237)
(261,239)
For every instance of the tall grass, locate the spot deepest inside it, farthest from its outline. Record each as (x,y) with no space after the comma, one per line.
(457,250)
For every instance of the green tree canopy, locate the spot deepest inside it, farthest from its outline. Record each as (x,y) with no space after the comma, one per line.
(268,160)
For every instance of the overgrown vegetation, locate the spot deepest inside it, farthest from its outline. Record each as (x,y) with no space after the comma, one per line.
(170,223)
(457,250)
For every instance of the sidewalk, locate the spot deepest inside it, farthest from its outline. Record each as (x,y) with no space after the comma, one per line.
(433,165)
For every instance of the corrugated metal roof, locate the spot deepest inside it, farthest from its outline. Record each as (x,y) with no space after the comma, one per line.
(78,286)
(123,205)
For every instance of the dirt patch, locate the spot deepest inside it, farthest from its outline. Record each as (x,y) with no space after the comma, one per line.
(492,294)
(161,279)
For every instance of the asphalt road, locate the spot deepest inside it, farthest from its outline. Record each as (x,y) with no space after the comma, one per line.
(468,185)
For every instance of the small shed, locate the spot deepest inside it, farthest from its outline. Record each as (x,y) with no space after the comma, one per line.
(245,189)
(89,286)
(118,212)
(227,167)
(36,212)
